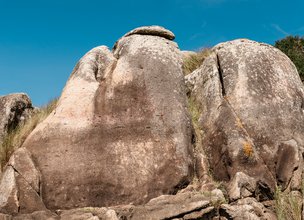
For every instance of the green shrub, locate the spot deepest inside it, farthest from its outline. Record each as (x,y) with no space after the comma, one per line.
(194,61)
(15,138)
(293,47)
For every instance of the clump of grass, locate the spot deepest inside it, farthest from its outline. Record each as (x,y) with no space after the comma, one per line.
(287,205)
(194,61)
(15,138)
(195,115)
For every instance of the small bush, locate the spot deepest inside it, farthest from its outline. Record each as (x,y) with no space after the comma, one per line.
(15,138)
(194,61)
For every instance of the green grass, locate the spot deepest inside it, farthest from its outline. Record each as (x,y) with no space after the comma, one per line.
(15,138)
(194,61)
(195,115)
(287,205)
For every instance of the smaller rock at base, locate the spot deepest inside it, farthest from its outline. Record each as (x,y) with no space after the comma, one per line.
(200,214)
(5,217)
(241,186)
(111,215)
(39,215)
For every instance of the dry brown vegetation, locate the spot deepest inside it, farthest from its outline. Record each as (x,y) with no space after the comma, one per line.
(15,138)
(194,61)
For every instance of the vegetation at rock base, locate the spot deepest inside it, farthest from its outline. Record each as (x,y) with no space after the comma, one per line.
(293,47)
(194,61)
(195,114)
(15,138)
(288,205)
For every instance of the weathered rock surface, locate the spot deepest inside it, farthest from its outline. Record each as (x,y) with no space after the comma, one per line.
(241,186)
(252,112)
(190,205)
(246,209)
(152,30)
(120,133)
(183,206)
(14,109)
(20,185)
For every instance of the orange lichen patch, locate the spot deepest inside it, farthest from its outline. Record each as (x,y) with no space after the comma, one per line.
(247,149)
(227,98)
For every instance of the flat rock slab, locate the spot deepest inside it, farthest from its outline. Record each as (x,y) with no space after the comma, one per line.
(153,31)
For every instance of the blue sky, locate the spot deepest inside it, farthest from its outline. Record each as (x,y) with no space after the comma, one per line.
(41,41)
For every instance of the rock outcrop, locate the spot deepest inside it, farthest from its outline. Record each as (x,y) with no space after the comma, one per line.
(120,143)
(14,109)
(113,138)
(251,101)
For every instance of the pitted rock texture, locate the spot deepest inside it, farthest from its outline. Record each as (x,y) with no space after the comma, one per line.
(120,133)
(14,109)
(252,111)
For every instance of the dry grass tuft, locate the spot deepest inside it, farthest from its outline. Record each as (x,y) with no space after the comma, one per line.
(194,61)
(288,205)
(15,138)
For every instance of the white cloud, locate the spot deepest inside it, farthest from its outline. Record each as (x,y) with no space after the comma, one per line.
(279,29)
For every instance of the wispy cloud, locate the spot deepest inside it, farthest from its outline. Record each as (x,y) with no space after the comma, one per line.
(217,2)
(279,29)
(213,2)
(200,33)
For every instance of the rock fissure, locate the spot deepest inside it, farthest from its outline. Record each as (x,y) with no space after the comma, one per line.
(38,193)
(220,71)
(182,214)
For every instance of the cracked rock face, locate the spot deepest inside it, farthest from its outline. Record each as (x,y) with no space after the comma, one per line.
(252,104)
(120,133)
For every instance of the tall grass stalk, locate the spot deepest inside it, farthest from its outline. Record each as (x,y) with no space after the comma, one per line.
(16,137)
(288,206)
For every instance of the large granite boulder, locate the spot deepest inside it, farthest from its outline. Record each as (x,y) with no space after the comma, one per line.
(120,133)
(251,101)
